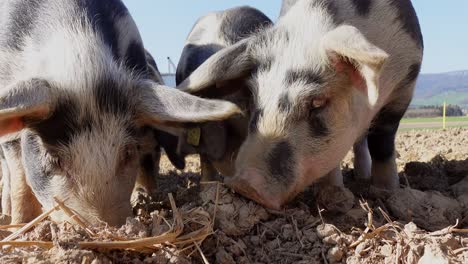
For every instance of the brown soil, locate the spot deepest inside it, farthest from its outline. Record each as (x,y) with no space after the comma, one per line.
(423,222)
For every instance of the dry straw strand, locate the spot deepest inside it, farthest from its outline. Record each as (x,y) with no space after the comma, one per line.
(30,225)
(3,227)
(74,216)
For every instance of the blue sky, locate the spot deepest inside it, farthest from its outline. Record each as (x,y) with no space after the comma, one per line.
(164,25)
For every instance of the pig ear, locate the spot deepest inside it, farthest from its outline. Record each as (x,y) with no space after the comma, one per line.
(24,101)
(230,63)
(350,52)
(162,105)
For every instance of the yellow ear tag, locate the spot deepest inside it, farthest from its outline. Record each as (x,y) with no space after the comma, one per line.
(193,136)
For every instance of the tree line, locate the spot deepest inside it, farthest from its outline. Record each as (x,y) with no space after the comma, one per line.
(433,111)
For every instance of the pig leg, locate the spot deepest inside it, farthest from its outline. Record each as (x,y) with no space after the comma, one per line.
(333,195)
(150,155)
(208,171)
(6,189)
(381,141)
(149,171)
(24,205)
(333,178)
(362,160)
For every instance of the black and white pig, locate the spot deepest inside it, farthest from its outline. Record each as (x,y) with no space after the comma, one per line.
(328,75)
(220,141)
(75,92)
(153,141)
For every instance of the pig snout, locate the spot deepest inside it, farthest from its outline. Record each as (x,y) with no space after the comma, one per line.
(252,184)
(266,171)
(115,216)
(112,216)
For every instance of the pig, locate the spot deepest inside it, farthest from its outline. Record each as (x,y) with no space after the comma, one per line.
(153,141)
(75,94)
(328,75)
(153,68)
(213,32)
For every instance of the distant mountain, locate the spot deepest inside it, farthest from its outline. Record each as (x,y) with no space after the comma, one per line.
(432,89)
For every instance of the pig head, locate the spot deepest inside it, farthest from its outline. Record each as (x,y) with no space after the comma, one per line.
(328,75)
(75,95)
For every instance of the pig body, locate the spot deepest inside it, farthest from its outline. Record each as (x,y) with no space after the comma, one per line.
(329,75)
(220,141)
(75,94)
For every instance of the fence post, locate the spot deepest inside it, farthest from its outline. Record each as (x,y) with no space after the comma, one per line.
(444,119)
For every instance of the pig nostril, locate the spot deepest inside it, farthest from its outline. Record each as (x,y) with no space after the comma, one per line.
(247,186)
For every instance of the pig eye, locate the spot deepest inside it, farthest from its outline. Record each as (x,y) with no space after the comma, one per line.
(317,105)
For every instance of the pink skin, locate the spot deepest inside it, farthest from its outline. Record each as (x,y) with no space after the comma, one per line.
(252,183)
(10,125)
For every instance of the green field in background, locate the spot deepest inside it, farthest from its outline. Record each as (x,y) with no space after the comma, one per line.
(432,123)
(429,128)
(435,119)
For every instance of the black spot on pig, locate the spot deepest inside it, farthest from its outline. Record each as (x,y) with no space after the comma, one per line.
(412,74)
(254,120)
(304,76)
(135,58)
(281,162)
(318,126)
(247,20)
(381,137)
(409,20)
(111,98)
(284,104)
(103,16)
(193,56)
(23,15)
(362,6)
(60,127)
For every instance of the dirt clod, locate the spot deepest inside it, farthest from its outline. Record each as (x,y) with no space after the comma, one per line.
(429,210)
(326,230)
(336,199)
(335,254)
